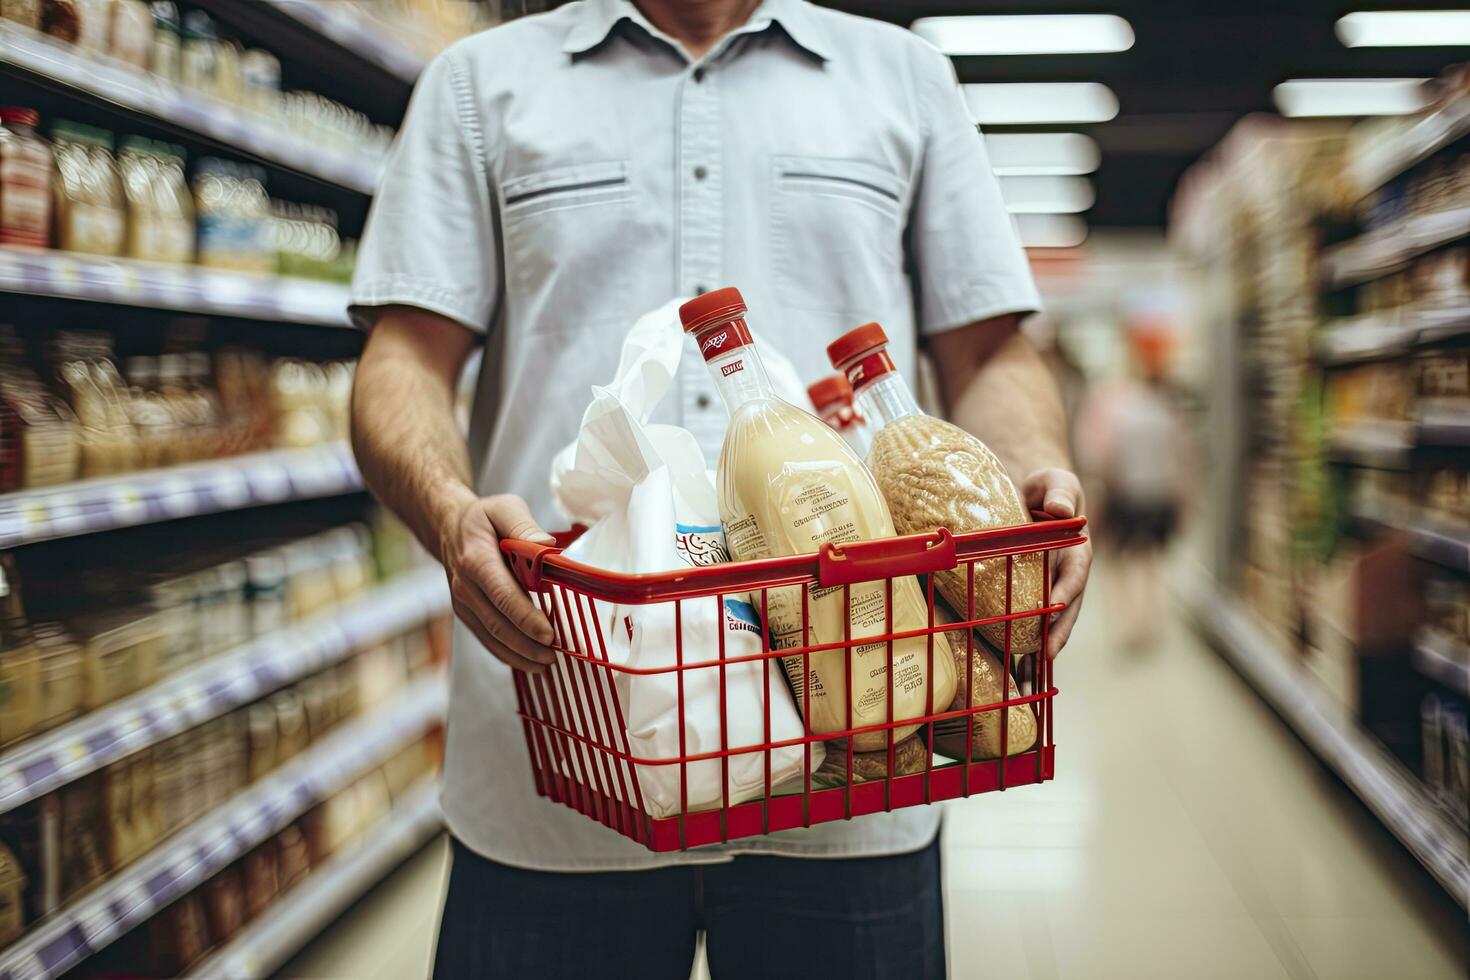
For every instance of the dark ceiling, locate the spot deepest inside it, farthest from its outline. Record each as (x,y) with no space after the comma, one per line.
(1194,69)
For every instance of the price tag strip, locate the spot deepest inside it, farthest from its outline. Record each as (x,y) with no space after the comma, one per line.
(183,861)
(218,685)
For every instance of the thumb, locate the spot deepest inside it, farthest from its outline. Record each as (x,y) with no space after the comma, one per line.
(512,519)
(1052,491)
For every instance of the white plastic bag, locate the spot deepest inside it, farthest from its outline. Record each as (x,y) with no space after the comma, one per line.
(647,497)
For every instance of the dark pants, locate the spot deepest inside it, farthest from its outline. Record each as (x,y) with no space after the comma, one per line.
(762,916)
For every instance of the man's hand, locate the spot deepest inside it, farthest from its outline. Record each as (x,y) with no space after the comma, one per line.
(482,588)
(1059,493)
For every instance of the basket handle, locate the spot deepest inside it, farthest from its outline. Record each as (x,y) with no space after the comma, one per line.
(863,561)
(525,558)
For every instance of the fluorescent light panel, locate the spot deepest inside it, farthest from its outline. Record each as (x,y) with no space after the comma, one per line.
(1046,195)
(1405,28)
(1042,154)
(1351,96)
(1027,34)
(1020,103)
(1051,230)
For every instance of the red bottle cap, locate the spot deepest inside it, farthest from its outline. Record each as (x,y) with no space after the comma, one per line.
(861,354)
(831,390)
(717,320)
(20,114)
(855,343)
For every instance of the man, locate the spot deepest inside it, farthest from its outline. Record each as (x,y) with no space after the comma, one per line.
(555,178)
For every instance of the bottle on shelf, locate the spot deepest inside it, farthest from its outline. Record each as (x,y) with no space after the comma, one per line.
(25,179)
(787,485)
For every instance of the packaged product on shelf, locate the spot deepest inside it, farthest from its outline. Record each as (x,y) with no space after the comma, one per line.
(265,574)
(295,856)
(645,493)
(39,444)
(292,734)
(262,869)
(788,485)
(94,25)
(132,32)
(832,398)
(1444,384)
(63,677)
(227,83)
(25,179)
(20,663)
(90,215)
(12,897)
(300,400)
(121,652)
(232,216)
(97,394)
(934,474)
(160,208)
(153,424)
(24,12)
(179,936)
(260,79)
(264,739)
(164,53)
(224,905)
(306,240)
(1447,494)
(243,382)
(61,19)
(199,53)
(81,845)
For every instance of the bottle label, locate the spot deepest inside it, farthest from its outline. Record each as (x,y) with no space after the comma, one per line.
(869,367)
(722,339)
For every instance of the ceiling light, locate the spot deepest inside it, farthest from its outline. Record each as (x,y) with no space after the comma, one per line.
(1042,154)
(1027,34)
(1405,28)
(1351,96)
(1018,103)
(1051,230)
(1046,195)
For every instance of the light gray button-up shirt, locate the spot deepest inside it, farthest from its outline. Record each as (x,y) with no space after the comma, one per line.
(562,174)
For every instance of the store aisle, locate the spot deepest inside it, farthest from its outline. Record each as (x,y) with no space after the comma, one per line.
(1188,835)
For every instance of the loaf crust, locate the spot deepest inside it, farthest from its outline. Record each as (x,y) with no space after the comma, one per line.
(985,675)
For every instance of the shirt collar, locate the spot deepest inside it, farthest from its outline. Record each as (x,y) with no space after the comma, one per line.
(597,18)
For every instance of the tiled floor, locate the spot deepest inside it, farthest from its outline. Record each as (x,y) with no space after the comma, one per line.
(1188,835)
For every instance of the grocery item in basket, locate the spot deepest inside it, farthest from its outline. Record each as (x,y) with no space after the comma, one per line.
(646,494)
(984,688)
(832,398)
(25,179)
(910,755)
(935,475)
(788,485)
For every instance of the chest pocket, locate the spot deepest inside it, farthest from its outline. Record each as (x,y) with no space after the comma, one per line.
(562,228)
(837,229)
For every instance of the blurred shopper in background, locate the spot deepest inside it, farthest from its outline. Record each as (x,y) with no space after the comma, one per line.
(555,178)
(1133,450)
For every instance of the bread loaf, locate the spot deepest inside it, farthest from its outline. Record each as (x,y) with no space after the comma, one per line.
(985,674)
(934,474)
(909,756)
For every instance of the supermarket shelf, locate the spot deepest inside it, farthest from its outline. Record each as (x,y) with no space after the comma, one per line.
(220,684)
(1392,156)
(301,914)
(347,26)
(1386,249)
(1438,326)
(1366,338)
(1385,444)
(1380,781)
(1442,544)
(185,288)
(1443,426)
(188,490)
(92,921)
(1444,659)
(116,82)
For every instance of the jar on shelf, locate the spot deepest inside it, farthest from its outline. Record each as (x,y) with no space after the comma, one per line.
(25,179)
(90,213)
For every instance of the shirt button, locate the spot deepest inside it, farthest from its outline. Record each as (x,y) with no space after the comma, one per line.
(701,289)
(698,75)
(702,401)
(700,173)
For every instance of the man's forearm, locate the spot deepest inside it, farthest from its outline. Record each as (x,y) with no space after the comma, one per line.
(408,445)
(1011,403)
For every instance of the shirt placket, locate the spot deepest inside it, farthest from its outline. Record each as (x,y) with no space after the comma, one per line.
(700,236)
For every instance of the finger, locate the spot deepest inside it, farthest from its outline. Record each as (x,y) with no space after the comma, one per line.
(1054,491)
(497,620)
(1061,629)
(1071,581)
(512,519)
(487,639)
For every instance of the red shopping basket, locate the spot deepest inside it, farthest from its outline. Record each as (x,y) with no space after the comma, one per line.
(574,722)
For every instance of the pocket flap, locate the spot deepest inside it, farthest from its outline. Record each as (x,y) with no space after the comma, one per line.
(576,177)
(834,171)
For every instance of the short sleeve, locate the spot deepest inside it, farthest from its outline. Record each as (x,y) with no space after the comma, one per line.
(430,240)
(967,259)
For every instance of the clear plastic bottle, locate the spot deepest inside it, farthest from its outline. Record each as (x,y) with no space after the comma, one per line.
(832,398)
(25,179)
(787,485)
(935,474)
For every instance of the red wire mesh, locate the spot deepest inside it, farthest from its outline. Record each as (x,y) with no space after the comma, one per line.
(574,721)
